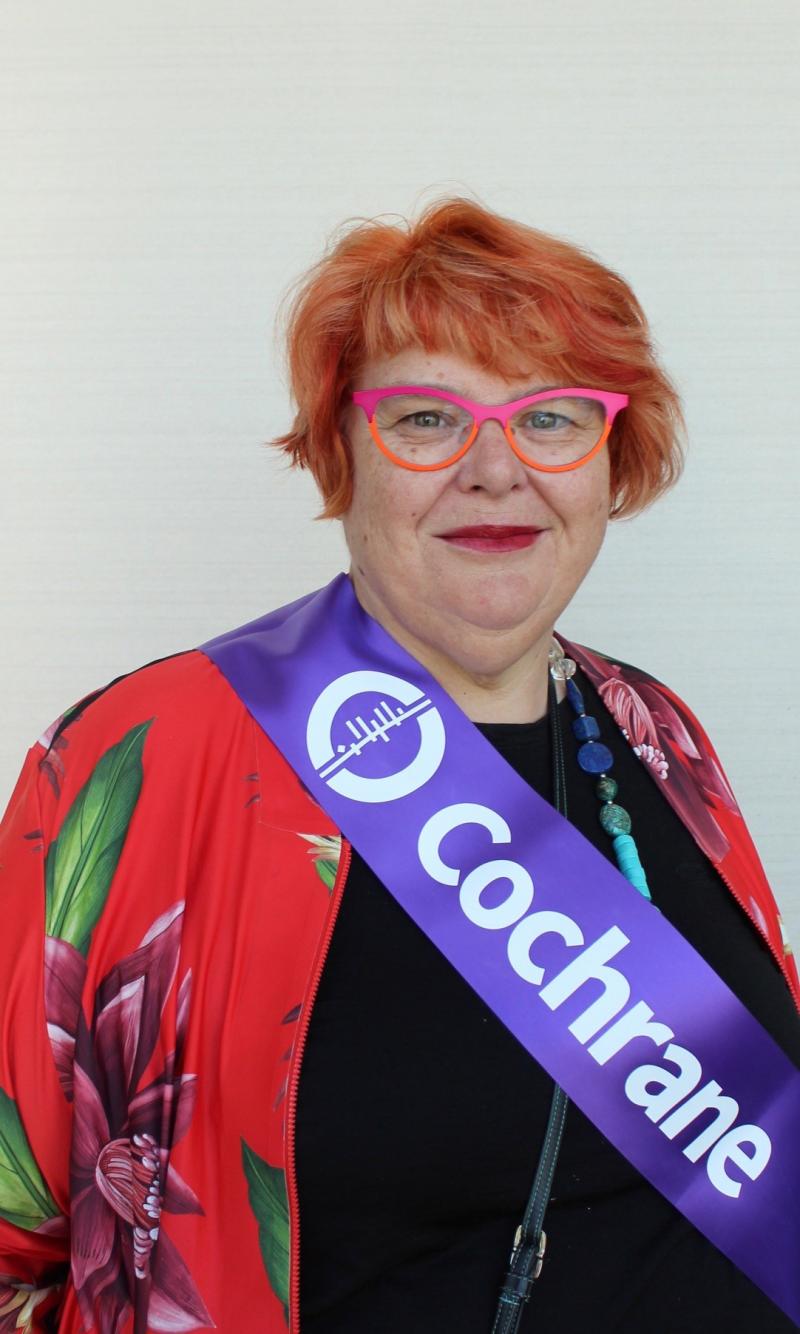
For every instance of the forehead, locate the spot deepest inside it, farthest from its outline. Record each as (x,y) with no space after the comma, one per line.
(452,373)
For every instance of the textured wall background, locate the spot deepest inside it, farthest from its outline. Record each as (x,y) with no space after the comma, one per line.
(169,167)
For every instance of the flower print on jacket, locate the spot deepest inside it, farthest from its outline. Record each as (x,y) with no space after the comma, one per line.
(18,1305)
(662,734)
(121,1176)
(632,714)
(326,851)
(266,1189)
(79,868)
(25,1199)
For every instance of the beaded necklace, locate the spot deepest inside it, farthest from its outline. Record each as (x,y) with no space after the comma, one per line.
(595,758)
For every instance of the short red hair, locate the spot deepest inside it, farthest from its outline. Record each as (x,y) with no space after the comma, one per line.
(466,280)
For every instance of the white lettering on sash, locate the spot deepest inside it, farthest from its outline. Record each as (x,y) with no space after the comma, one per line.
(444,822)
(592,964)
(673,1088)
(634,1023)
(671,1100)
(709,1098)
(533,926)
(502,914)
(729,1149)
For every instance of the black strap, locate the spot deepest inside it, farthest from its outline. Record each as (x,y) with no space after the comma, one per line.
(530,1239)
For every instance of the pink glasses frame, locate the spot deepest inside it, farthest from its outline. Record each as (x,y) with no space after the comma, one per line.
(500,412)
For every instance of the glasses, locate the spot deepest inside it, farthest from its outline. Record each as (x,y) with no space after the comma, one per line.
(424,429)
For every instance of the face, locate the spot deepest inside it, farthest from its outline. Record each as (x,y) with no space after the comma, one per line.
(482,604)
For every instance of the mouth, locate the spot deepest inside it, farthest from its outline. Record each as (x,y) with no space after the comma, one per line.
(492,537)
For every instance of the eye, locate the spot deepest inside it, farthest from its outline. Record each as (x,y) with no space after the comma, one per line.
(547,421)
(425,418)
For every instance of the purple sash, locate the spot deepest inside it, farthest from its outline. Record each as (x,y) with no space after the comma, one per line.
(593,982)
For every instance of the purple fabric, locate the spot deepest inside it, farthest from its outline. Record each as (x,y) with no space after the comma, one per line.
(363,736)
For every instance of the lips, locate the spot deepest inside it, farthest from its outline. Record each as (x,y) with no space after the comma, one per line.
(492,536)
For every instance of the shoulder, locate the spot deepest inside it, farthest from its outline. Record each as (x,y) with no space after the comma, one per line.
(678,753)
(178,707)
(648,711)
(601,666)
(174,730)
(671,741)
(668,736)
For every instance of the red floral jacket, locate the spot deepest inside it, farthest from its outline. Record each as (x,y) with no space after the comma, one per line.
(169,891)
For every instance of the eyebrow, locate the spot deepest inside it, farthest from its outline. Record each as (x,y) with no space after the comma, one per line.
(449,389)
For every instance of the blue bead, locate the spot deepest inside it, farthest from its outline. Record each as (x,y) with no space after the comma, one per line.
(575,697)
(586,728)
(595,758)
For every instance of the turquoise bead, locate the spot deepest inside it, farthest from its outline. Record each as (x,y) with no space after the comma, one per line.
(629,863)
(614,819)
(607,788)
(625,848)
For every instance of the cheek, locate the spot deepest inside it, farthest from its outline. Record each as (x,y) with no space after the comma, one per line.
(389,502)
(381,515)
(582,507)
(592,496)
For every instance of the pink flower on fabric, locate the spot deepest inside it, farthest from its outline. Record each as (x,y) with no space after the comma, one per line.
(632,714)
(64,976)
(121,1177)
(662,734)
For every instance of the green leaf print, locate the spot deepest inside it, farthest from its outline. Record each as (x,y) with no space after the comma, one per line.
(81,862)
(326,870)
(326,852)
(268,1200)
(24,1197)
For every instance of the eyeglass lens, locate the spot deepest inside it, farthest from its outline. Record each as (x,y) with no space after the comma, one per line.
(426,430)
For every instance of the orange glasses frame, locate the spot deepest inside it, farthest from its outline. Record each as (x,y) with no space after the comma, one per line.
(368,399)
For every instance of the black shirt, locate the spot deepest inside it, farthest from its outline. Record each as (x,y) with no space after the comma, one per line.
(420,1117)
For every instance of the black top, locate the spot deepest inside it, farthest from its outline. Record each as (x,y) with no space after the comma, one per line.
(420,1118)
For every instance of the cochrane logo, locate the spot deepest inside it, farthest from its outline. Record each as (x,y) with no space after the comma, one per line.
(674,1095)
(333,764)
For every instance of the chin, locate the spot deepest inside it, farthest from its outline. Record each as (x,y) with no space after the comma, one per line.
(482,638)
(502,604)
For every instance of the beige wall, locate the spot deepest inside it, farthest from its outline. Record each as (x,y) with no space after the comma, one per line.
(168,167)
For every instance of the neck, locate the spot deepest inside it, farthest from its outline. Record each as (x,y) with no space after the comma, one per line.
(517,694)
(491,686)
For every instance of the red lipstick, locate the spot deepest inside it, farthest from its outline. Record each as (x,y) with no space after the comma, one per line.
(493,536)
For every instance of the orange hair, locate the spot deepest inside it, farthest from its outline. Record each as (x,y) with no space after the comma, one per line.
(466,280)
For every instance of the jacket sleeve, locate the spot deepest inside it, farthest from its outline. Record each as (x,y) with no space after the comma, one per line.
(35,1113)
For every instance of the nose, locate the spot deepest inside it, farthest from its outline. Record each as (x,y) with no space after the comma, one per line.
(490,463)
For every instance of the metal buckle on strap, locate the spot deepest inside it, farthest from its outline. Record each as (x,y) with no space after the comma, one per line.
(517,1287)
(540,1250)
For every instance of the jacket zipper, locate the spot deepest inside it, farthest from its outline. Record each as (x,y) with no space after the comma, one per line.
(778,957)
(294,1078)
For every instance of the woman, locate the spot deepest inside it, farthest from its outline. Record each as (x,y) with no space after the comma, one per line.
(222,1112)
